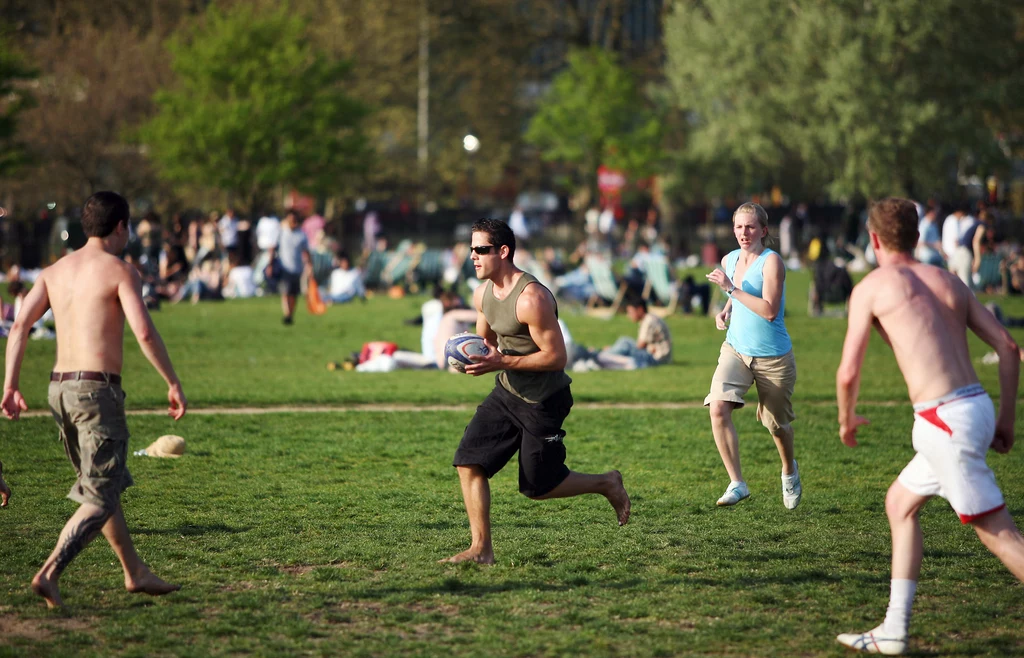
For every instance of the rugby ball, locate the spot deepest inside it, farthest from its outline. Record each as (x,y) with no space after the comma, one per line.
(460,347)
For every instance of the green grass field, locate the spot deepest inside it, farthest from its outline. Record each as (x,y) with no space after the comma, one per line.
(317,533)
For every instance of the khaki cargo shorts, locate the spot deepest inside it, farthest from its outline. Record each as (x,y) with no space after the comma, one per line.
(775,377)
(94,432)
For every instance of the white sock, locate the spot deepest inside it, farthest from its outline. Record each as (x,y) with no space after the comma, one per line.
(901,598)
(736,483)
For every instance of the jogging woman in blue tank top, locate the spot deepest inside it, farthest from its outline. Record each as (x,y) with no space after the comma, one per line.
(757,351)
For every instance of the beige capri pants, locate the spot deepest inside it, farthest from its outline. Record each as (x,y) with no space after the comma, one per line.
(775,377)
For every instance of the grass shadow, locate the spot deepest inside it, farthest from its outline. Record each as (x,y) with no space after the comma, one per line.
(192,530)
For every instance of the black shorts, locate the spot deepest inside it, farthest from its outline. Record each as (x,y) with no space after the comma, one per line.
(290,284)
(504,424)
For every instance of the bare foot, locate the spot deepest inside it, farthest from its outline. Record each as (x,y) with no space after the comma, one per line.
(148,583)
(5,492)
(47,589)
(619,498)
(480,556)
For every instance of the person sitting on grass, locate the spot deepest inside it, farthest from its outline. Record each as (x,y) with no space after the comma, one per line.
(239,281)
(652,347)
(204,282)
(346,281)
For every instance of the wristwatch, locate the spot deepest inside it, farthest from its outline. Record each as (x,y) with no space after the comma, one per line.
(730,291)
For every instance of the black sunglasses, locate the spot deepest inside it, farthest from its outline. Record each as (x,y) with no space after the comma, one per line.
(483,250)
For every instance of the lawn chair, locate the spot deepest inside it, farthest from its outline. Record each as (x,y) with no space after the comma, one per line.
(605,288)
(399,263)
(430,269)
(660,287)
(372,269)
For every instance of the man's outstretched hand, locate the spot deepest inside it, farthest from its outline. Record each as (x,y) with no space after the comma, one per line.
(848,432)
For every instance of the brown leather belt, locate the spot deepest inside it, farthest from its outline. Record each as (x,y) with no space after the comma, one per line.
(88,375)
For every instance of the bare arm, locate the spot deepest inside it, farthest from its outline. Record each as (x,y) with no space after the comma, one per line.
(979,235)
(722,318)
(536,309)
(987,328)
(858,332)
(129,293)
(36,302)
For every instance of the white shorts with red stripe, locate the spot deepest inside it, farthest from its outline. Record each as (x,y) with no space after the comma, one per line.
(952,435)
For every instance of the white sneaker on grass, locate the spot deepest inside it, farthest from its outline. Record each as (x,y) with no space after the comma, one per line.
(736,492)
(791,489)
(874,641)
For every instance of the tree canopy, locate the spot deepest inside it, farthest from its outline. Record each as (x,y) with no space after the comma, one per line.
(256,105)
(14,98)
(594,114)
(846,97)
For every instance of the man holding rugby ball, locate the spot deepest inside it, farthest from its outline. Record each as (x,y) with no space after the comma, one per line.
(518,318)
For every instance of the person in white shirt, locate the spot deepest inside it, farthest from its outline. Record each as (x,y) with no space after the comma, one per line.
(268,232)
(228,227)
(606,220)
(240,283)
(346,281)
(963,257)
(951,231)
(517,222)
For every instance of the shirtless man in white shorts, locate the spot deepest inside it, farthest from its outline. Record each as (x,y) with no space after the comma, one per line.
(923,312)
(92,293)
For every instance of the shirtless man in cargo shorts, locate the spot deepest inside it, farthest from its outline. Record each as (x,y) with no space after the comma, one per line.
(92,292)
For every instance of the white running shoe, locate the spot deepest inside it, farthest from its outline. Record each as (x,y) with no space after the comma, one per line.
(734,494)
(791,489)
(874,641)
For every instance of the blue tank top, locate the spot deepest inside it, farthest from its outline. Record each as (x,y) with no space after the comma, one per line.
(749,333)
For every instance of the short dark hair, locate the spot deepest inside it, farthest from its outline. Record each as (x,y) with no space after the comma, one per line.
(895,222)
(102,213)
(636,301)
(499,233)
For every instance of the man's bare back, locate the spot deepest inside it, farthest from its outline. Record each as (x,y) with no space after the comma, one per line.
(83,290)
(923,312)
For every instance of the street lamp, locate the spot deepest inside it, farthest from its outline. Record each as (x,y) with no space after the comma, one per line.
(471,145)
